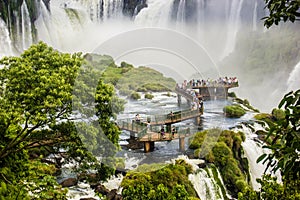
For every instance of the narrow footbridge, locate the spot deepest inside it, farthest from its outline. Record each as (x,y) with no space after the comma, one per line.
(149,130)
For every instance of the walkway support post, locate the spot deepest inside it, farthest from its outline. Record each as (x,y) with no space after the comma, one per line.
(198,120)
(148,146)
(132,135)
(181,144)
(179,99)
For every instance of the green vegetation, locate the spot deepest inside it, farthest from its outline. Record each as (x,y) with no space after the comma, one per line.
(245,103)
(281,10)
(144,79)
(135,96)
(223,148)
(149,96)
(37,91)
(232,94)
(284,142)
(264,58)
(128,79)
(168,182)
(234,111)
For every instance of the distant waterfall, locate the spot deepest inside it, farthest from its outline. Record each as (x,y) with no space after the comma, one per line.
(254,22)
(112,9)
(233,26)
(180,18)
(5,42)
(294,80)
(26,26)
(212,23)
(157,14)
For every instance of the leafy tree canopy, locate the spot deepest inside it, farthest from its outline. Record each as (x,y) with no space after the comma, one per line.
(38,92)
(285,146)
(282,10)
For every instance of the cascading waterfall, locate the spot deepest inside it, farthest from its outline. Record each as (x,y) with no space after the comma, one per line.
(180,18)
(112,9)
(254,22)
(26,26)
(233,26)
(253,149)
(5,41)
(205,185)
(157,14)
(194,18)
(293,82)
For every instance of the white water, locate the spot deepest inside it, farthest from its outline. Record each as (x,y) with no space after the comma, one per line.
(100,19)
(234,23)
(157,14)
(253,149)
(205,186)
(293,82)
(26,27)
(180,20)
(254,22)
(5,42)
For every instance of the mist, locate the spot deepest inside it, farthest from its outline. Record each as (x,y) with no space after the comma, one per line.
(198,38)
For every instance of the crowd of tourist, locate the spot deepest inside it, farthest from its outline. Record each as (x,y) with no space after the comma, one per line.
(221,81)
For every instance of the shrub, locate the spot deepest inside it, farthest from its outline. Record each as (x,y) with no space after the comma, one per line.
(169,182)
(278,114)
(148,96)
(135,96)
(232,94)
(234,111)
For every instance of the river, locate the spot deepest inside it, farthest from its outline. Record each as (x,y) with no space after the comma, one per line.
(166,151)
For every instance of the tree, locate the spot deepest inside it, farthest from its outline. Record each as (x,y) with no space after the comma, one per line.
(285,134)
(36,119)
(284,155)
(282,10)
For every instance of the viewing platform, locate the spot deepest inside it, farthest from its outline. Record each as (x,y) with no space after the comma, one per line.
(195,91)
(149,132)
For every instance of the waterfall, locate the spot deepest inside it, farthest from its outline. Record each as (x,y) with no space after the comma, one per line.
(180,18)
(233,26)
(26,26)
(205,185)
(112,9)
(253,150)
(293,82)
(5,42)
(255,17)
(157,14)
(208,22)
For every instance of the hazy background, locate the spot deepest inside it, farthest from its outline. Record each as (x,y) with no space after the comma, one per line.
(180,38)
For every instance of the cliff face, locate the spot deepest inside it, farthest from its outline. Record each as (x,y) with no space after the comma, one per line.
(132,7)
(19,17)
(10,10)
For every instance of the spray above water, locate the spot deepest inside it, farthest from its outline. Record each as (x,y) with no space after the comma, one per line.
(293,82)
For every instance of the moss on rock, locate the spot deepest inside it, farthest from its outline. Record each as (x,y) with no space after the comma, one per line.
(234,111)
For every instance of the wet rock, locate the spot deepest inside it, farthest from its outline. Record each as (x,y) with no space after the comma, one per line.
(69,182)
(92,177)
(111,194)
(118,197)
(101,189)
(134,144)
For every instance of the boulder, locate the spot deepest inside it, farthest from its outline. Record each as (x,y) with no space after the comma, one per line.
(101,189)
(118,197)
(111,194)
(69,182)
